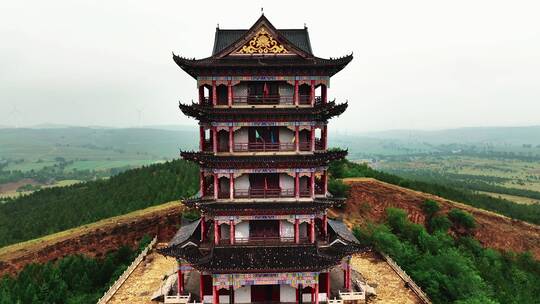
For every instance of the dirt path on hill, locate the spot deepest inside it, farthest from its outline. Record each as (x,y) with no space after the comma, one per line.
(144,281)
(390,287)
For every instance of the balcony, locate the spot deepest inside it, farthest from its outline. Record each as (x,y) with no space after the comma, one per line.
(263,240)
(263,100)
(263,147)
(263,193)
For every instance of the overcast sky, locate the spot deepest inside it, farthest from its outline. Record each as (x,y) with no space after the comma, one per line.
(417,64)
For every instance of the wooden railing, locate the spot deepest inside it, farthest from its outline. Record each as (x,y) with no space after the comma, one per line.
(264,99)
(304,146)
(177,299)
(263,193)
(114,287)
(412,285)
(352,295)
(263,147)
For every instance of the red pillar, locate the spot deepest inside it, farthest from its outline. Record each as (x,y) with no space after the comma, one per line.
(231,235)
(297,138)
(296,92)
(214,93)
(348,275)
(325,137)
(215,295)
(180,280)
(201,138)
(312,93)
(328,285)
(214,139)
(297,294)
(231,186)
(312,294)
(201,287)
(296,231)
(229,93)
(345,278)
(231,294)
(325,182)
(312,230)
(231,139)
(216,232)
(312,188)
(201,94)
(297,185)
(316,291)
(203,229)
(324,93)
(201,184)
(325,225)
(312,142)
(216,184)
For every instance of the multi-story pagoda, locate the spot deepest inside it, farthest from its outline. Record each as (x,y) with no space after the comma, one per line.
(264,234)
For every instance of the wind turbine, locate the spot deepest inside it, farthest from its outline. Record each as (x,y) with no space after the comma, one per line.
(139,115)
(15,114)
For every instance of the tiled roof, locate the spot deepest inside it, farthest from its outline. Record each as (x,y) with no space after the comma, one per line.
(211,161)
(342,231)
(298,37)
(320,112)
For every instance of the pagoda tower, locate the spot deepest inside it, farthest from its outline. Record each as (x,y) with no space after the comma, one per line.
(264,234)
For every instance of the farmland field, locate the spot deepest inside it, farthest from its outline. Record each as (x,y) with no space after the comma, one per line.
(512,179)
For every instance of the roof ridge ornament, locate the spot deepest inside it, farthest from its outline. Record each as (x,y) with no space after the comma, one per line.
(262,43)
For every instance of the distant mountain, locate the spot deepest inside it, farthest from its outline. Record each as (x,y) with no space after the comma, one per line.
(492,135)
(85,142)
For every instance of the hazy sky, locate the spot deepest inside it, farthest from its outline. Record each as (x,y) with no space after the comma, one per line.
(418,64)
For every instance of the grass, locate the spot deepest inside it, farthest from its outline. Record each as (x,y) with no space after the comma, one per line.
(520,174)
(62,183)
(109,164)
(513,198)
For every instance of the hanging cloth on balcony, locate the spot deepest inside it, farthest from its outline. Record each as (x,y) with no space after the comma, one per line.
(265,90)
(258,135)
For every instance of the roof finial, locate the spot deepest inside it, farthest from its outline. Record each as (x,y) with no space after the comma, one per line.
(262,10)
(217,26)
(305,25)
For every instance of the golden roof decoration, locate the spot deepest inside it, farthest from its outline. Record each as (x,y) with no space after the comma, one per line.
(262,43)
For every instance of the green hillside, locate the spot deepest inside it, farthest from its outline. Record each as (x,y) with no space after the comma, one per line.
(56,209)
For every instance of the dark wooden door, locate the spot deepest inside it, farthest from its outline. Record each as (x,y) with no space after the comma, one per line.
(265,293)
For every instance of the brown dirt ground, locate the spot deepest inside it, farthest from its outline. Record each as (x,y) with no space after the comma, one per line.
(10,189)
(390,287)
(144,280)
(369,199)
